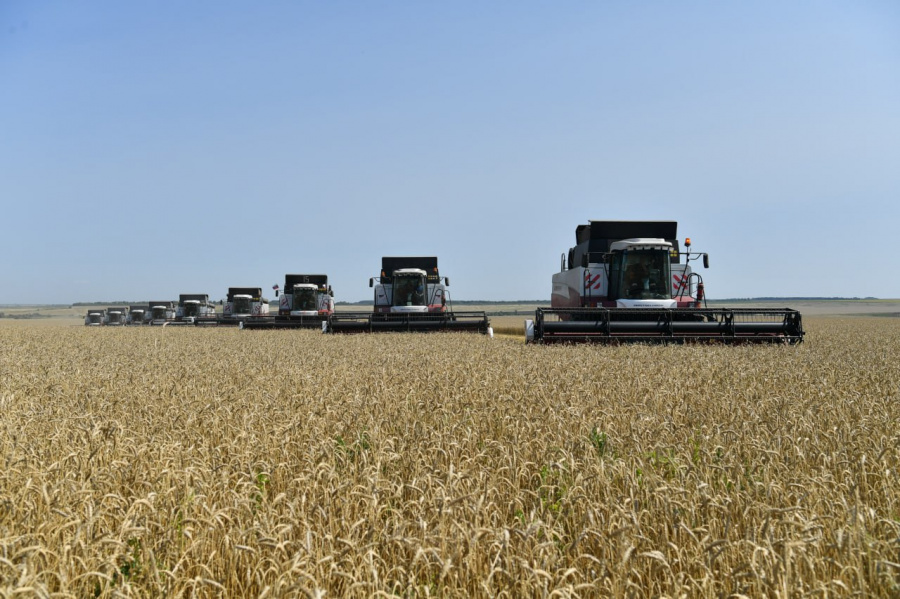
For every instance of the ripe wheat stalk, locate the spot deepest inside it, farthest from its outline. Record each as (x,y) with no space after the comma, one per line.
(151,462)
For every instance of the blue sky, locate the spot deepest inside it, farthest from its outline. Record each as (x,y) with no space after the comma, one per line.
(151,149)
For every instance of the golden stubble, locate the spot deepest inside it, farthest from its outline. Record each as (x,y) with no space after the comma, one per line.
(175,462)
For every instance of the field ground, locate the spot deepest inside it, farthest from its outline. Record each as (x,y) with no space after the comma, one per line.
(218,462)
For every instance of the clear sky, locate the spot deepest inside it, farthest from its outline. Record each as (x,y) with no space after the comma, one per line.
(149,149)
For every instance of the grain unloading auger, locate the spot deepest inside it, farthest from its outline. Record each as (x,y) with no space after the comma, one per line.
(306,303)
(410,296)
(624,282)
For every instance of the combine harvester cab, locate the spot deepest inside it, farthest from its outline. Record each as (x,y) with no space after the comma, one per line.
(161,312)
(95,318)
(624,281)
(192,308)
(242,304)
(306,303)
(116,316)
(410,296)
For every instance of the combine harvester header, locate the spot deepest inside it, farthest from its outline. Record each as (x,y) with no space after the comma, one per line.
(410,296)
(624,281)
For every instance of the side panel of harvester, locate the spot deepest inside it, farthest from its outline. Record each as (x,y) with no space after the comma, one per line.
(410,296)
(624,281)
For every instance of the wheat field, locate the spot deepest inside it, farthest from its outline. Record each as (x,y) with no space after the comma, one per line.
(150,462)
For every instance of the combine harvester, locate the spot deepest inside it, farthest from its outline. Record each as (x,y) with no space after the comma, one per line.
(306,303)
(193,307)
(624,282)
(116,316)
(161,312)
(137,315)
(410,296)
(241,304)
(94,317)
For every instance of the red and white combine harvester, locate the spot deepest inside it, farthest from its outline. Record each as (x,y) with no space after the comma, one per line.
(116,316)
(241,305)
(161,312)
(624,281)
(95,317)
(108,317)
(193,307)
(306,302)
(137,315)
(410,295)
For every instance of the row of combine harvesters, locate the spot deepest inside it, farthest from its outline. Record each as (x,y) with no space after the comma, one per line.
(410,295)
(623,281)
